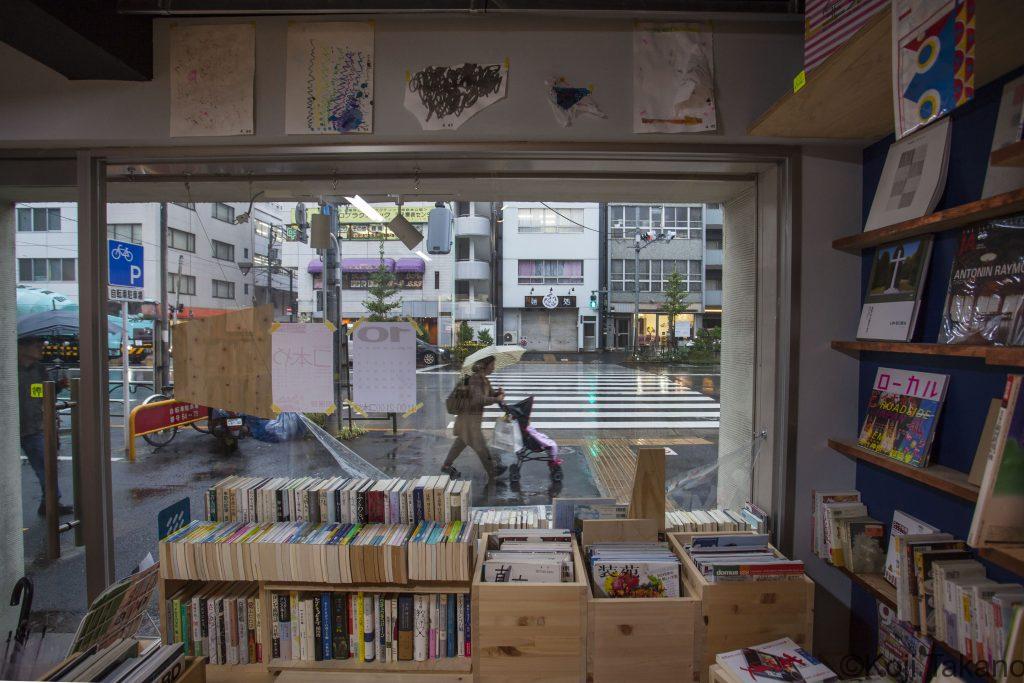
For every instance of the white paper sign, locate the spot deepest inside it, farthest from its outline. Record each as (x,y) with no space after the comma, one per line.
(211,74)
(384,367)
(682,328)
(329,82)
(302,368)
(445,97)
(673,79)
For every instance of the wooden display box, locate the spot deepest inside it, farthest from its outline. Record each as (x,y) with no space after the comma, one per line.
(741,614)
(529,631)
(642,639)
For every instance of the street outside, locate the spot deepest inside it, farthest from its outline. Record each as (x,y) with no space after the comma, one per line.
(593,409)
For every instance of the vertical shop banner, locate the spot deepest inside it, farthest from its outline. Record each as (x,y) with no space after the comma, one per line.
(302,368)
(384,367)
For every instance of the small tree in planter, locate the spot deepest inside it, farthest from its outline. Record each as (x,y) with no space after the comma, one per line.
(383,288)
(484,337)
(465,333)
(675,301)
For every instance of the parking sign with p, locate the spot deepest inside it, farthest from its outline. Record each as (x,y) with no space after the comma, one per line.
(125,270)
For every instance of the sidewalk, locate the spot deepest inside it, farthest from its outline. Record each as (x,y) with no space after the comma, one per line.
(606,357)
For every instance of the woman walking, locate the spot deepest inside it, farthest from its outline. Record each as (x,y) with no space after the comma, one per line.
(468,432)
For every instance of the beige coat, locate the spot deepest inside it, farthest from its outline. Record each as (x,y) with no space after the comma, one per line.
(467,423)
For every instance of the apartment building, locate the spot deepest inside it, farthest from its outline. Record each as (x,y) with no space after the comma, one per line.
(550,268)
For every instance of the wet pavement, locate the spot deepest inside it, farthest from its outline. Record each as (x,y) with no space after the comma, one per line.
(191,462)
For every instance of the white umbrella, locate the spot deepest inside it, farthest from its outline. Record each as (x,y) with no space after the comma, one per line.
(504,356)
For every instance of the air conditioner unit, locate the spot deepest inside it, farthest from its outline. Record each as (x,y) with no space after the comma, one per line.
(510,337)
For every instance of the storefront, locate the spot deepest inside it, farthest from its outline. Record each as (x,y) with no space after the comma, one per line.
(550,323)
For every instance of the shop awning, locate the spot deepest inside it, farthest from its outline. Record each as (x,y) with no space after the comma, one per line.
(410,265)
(365,265)
(315,266)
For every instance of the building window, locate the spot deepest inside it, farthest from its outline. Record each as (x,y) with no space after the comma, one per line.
(260,260)
(437,279)
(125,232)
(224,212)
(186,205)
(222,289)
(624,220)
(181,240)
(461,290)
(38,220)
(654,273)
(462,250)
(548,220)
(409,280)
(550,272)
(245,288)
(181,284)
(223,251)
(245,252)
(46,270)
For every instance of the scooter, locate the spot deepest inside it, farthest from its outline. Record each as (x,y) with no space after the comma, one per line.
(228,427)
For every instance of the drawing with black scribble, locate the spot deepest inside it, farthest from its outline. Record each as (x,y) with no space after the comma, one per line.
(445,97)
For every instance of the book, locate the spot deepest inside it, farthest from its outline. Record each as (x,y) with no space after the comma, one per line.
(779,660)
(420,623)
(862,540)
(633,570)
(339,626)
(893,296)
(999,512)
(902,413)
(406,610)
(818,500)
(989,433)
(988,270)
(902,524)
(901,648)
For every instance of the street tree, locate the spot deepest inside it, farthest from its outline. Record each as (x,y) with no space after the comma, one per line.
(383,289)
(675,300)
(484,337)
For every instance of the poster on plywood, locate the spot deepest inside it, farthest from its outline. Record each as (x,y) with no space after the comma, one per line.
(212,68)
(673,78)
(329,79)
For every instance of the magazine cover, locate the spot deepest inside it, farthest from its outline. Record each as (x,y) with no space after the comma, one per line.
(986,286)
(902,413)
(902,652)
(636,579)
(894,290)
(779,660)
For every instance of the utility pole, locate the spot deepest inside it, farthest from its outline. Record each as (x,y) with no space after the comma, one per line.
(161,331)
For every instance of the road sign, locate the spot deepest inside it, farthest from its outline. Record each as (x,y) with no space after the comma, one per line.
(125,271)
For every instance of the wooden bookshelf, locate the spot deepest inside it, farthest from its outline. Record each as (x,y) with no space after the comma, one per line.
(460,664)
(874,584)
(937,477)
(940,221)
(413,587)
(1011,155)
(849,95)
(992,355)
(1011,559)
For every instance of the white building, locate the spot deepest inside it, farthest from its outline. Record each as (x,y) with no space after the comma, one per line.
(204,249)
(550,268)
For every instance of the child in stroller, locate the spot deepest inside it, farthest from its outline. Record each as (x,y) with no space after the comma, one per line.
(537,446)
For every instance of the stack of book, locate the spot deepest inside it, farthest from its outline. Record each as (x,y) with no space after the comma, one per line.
(220,621)
(123,661)
(369,627)
(707,520)
(740,557)
(441,552)
(779,660)
(486,520)
(288,551)
(339,499)
(633,570)
(529,556)
(845,535)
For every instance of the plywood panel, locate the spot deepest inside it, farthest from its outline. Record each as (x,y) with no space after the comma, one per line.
(618,530)
(224,361)
(643,639)
(648,500)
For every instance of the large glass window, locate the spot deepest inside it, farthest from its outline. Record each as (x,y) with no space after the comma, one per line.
(125,232)
(534,220)
(47,270)
(222,289)
(38,220)
(187,284)
(555,272)
(624,220)
(223,251)
(654,274)
(181,240)
(224,212)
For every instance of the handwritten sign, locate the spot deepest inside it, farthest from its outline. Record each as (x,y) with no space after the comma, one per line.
(384,367)
(302,368)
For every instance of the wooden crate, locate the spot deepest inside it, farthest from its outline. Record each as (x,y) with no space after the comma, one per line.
(642,639)
(742,614)
(529,631)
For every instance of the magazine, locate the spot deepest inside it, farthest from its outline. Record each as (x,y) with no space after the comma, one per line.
(902,413)
(894,290)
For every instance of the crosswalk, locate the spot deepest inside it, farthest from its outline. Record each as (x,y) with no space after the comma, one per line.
(606,398)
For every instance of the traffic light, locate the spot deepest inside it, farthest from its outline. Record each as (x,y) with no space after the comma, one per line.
(593,300)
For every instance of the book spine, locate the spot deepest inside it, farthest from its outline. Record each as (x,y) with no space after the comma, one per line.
(303,641)
(367,617)
(293,611)
(204,629)
(380,609)
(222,633)
(258,628)
(327,632)
(405,618)
(318,629)
(434,623)
(339,621)
(442,626)
(468,630)
(354,636)
(361,511)
(279,506)
(242,617)
(453,629)
(275,627)
(460,625)
(417,505)
(186,627)
(420,628)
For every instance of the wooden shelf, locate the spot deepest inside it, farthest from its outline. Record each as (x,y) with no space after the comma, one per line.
(849,95)
(459,664)
(950,219)
(992,355)
(1011,559)
(414,587)
(874,584)
(937,477)
(1011,155)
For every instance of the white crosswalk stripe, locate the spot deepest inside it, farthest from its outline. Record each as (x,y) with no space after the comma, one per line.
(619,399)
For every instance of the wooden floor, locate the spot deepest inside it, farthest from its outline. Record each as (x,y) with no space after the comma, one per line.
(613,462)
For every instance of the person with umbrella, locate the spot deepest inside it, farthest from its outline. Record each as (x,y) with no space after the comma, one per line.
(30,412)
(467,403)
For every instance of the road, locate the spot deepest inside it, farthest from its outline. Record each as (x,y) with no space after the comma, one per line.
(588,408)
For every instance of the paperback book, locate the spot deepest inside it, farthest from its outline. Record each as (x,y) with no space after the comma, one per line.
(894,290)
(999,513)
(902,414)
(779,660)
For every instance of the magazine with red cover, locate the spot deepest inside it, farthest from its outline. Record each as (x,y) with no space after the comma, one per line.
(903,411)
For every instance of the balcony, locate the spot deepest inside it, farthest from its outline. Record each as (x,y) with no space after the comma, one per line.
(713,297)
(472,226)
(472,270)
(473,310)
(713,257)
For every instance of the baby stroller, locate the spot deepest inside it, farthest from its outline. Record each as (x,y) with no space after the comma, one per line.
(537,446)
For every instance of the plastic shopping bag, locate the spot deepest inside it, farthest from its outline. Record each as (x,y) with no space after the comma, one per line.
(506,435)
